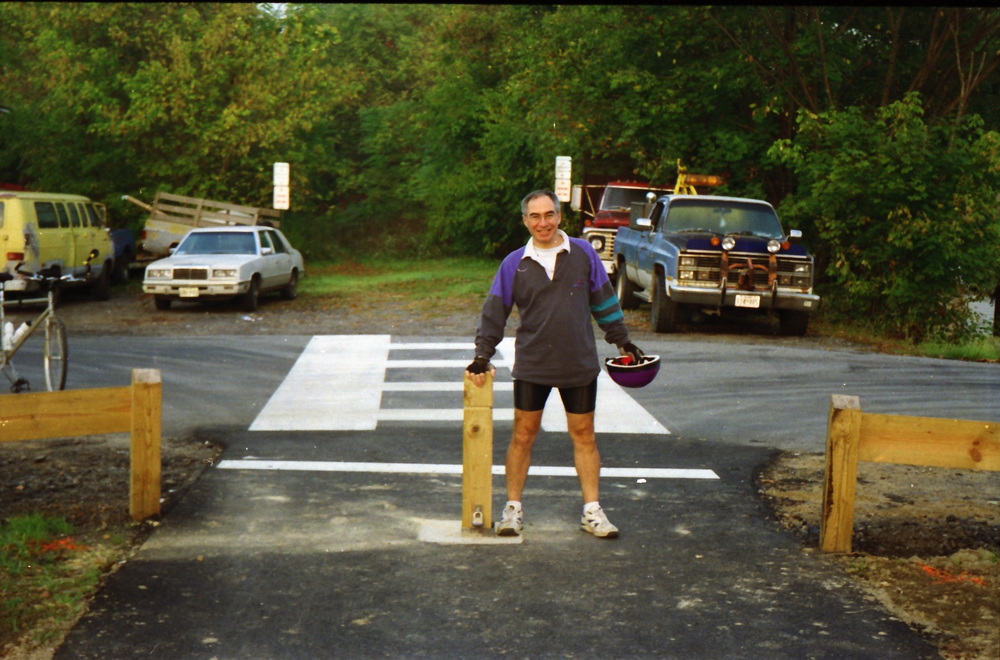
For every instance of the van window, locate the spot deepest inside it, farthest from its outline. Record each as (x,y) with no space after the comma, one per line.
(92,215)
(73,215)
(46,214)
(63,218)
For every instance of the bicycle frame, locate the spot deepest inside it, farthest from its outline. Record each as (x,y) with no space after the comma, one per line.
(54,349)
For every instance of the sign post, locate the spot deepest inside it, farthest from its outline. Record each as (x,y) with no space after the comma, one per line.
(477,457)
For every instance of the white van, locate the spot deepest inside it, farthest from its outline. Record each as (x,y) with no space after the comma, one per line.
(40,230)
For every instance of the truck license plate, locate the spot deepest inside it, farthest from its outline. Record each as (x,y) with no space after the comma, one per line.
(188,292)
(747,301)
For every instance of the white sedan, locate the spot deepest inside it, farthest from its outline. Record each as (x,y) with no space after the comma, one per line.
(213,263)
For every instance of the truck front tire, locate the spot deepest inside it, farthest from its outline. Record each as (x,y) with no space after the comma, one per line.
(793,322)
(624,289)
(663,310)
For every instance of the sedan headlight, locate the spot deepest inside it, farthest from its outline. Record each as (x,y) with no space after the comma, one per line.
(158,273)
(223,273)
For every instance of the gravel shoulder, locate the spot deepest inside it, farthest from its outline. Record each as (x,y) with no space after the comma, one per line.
(926,545)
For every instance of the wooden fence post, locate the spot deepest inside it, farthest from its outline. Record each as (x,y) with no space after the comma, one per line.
(477,456)
(843,437)
(147,420)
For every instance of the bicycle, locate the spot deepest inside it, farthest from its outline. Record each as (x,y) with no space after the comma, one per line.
(54,353)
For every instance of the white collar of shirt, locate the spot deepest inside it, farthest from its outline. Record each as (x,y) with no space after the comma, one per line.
(547,256)
(532,251)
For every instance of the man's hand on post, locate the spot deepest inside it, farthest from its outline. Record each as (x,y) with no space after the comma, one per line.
(477,370)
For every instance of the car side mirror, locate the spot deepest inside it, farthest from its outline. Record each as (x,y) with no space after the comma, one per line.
(267,250)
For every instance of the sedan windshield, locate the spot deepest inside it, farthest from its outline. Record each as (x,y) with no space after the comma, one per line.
(723,217)
(218,243)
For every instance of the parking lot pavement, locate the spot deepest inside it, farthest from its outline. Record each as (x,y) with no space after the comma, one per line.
(308,564)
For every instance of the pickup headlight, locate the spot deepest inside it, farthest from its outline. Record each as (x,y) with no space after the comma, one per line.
(597,242)
(223,273)
(158,273)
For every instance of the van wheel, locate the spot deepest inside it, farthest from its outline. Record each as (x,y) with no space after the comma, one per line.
(663,310)
(101,289)
(251,299)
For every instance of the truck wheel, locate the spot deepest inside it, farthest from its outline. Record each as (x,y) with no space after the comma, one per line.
(625,289)
(663,310)
(792,322)
(252,297)
(162,303)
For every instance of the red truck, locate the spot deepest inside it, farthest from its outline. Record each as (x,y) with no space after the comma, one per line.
(606,207)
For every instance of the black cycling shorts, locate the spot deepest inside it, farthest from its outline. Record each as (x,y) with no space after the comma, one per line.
(531,397)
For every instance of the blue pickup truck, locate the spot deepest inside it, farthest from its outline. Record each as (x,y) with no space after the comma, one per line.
(720,255)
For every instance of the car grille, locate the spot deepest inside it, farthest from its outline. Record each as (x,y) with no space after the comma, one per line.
(190,273)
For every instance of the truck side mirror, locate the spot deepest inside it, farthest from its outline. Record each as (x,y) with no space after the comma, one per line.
(644,223)
(794,234)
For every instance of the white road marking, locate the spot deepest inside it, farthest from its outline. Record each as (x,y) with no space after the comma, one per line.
(448,469)
(337,383)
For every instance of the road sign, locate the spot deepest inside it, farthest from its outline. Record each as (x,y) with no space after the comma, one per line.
(282,198)
(564,172)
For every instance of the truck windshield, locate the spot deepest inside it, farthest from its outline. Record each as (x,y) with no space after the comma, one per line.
(620,199)
(723,217)
(218,243)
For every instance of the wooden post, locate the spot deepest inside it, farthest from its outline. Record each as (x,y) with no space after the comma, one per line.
(477,456)
(144,489)
(843,437)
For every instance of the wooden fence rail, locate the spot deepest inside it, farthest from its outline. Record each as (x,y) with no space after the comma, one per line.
(136,409)
(853,436)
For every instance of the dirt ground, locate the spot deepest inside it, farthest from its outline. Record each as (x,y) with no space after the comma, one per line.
(926,541)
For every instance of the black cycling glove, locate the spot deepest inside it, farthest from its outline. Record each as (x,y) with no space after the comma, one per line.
(631,350)
(479,366)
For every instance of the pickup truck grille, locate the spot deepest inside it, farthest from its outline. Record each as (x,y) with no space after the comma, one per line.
(190,273)
(746,268)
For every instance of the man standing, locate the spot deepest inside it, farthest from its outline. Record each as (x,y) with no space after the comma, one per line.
(558,284)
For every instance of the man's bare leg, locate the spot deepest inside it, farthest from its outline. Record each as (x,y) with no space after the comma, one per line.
(585,454)
(526,426)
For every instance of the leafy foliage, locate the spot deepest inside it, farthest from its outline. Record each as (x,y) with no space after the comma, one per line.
(416,128)
(905,214)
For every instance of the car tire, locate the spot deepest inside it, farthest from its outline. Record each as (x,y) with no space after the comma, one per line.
(290,291)
(251,299)
(663,310)
(624,289)
(793,322)
(162,303)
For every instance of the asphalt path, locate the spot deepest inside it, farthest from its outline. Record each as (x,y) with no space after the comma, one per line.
(260,561)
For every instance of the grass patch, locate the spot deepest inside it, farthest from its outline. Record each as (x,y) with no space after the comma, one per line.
(436,278)
(978,349)
(46,578)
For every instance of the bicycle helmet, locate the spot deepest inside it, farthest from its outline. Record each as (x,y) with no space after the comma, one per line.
(628,374)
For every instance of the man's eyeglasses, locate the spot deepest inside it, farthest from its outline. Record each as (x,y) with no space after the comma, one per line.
(548,217)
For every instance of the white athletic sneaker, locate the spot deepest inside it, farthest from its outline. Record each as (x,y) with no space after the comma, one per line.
(596,522)
(512,521)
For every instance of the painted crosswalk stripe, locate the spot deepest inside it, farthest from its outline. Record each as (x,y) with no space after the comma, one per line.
(337,384)
(449,469)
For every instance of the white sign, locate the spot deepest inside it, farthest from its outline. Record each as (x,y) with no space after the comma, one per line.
(282,198)
(564,171)
(281,174)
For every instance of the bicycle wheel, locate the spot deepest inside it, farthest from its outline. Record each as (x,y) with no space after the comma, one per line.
(55,354)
